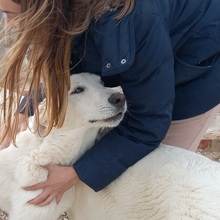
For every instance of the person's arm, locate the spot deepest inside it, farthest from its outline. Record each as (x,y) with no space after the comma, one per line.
(149,88)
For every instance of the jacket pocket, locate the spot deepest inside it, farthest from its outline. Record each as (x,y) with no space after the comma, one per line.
(185,72)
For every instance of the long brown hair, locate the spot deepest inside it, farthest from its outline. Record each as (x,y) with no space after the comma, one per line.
(46,30)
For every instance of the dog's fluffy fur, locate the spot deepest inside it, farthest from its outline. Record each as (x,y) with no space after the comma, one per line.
(168,184)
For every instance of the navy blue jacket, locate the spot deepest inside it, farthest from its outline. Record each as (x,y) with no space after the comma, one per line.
(166,57)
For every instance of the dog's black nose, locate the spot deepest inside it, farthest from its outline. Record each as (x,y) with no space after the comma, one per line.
(117,99)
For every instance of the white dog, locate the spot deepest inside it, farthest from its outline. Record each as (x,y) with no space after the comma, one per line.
(168,184)
(90,107)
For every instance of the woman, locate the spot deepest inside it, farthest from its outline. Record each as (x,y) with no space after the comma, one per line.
(164,54)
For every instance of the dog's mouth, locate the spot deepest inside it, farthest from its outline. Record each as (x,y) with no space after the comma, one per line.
(111,119)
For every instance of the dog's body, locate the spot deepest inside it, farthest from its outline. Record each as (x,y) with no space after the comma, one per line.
(168,184)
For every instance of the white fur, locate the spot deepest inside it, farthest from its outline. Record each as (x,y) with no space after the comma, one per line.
(168,184)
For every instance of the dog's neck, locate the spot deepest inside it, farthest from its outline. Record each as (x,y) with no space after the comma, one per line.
(70,144)
(63,146)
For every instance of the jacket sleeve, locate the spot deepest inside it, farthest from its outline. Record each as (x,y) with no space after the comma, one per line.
(149,89)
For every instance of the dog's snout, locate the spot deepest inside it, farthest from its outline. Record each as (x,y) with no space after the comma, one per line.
(117,99)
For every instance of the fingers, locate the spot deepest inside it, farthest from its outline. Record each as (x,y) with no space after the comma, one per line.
(38,185)
(45,198)
(58,198)
(53,187)
(35,187)
(42,200)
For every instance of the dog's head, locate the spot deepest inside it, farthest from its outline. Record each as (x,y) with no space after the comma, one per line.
(93,105)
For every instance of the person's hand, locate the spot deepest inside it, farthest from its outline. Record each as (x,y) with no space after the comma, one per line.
(59,180)
(22,126)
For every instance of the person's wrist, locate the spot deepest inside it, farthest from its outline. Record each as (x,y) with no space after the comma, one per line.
(74,178)
(22,125)
(21,115)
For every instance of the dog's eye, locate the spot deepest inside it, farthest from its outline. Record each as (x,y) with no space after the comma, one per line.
(77,90)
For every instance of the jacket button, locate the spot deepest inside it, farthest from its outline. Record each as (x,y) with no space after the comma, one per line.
(108,65)
(123,61)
